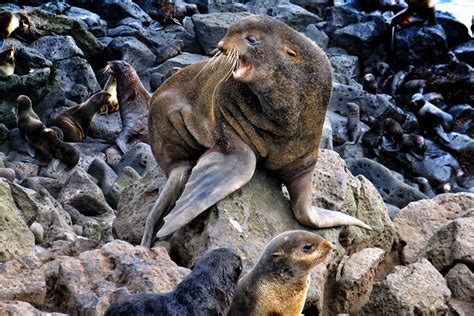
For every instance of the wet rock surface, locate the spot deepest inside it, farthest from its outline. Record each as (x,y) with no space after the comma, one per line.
(58,224)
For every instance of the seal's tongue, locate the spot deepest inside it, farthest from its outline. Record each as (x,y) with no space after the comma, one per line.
(243,69)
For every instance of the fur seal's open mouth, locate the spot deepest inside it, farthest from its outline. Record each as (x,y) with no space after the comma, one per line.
(242,69)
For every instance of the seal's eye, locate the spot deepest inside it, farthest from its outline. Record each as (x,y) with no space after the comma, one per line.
(308,248)
(251,39)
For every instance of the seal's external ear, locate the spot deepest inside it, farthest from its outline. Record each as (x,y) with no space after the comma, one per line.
(290,52)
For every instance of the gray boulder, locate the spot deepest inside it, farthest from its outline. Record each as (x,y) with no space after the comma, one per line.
(460,281)
(318,36)
(465,52)
(294,15)
(139,157)
(57,48)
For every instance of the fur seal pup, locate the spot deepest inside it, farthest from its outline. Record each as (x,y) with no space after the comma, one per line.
(279,282)
(111,88)
(353,123)
(44,139)
(207,290)
(76,121)
(7,62)
(7,173)
(9,22)
(262,98)
(414,145)
(431,118)
(133,101)
(373,138)
(393,135)
(369,84)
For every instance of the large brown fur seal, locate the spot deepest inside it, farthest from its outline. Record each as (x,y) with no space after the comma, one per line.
(133,101)
(44,139)
(207,290)
(263,99)
(76,121)
(9,22)
(279,282)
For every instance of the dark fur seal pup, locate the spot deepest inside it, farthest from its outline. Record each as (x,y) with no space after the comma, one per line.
(353,123)
(7,62)
(393,135)
(263,98)
(207,290)
(44,139)
(431,118)
(370,84)
(414,145)
(111,88)
(373,138)
(133,102)
(279,282)
(76,121)
(9,22)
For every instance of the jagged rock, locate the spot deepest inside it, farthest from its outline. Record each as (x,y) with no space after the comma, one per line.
(23,170)
(340,16)
(316,6)
(345,66)
(15,238)
(19,308)
(181,61)
(456,32)
(318,36)
(414,289)
(57,48)
(211,28)
(117,10)
(391,189)
(141,195)
(460,281)
(139,157)
(113,155)
(294,15)
(420,44)
(83,285)
(83,194)
(106,127)
(355,280)
(418,221)
(124,180)
(133,51)
(452,243)
(22,279)
(465,52)
(53,186)
(38,232)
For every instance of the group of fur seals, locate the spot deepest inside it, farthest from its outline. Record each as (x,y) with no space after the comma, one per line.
(77,120)
(44,139)
(9,22)
(207,290)
(279,282)
(263,99)
(7,62)
(277,285)
(133,100)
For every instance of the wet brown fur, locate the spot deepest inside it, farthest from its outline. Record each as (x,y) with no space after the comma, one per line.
(76,121)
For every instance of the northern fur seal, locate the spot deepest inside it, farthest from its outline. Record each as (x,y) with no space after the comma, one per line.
(9,22)
(44,139)
(111,88)
(279,282)
(76,121)
(263,99)
(353,125)
(7,62)
(133,103)
(207,290)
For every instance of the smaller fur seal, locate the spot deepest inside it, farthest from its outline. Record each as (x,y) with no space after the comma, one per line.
(279,282)
(111,88)
(134,100)
(414,145)
(373,138)
(43,139)
(9,22)
(353,123)
(207,290)
(7,173)
(370,84)
(76,121)
(7,62)
(393,135)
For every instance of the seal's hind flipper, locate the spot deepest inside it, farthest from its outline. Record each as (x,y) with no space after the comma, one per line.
(215,176)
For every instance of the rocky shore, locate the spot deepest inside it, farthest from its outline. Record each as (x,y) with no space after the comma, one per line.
(69,237)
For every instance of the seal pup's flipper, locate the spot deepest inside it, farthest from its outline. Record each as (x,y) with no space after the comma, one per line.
(215,176)
(439,131)
(300,190)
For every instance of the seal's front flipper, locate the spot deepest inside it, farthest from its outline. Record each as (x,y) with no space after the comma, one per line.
(300,190)
(216,175)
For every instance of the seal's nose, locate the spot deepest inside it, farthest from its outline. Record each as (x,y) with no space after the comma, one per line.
(222,46)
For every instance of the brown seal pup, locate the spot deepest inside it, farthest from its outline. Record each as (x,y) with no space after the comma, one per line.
(207,290)
(353,123)
(111,88)
(393,135)
(133,103)
(76,121)
(44,139)
(9,22)
(279,282)
(263,98)
(7,62)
